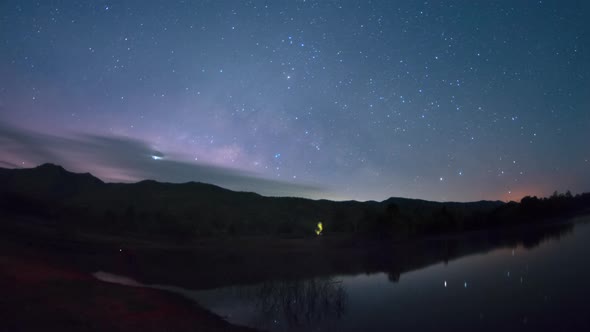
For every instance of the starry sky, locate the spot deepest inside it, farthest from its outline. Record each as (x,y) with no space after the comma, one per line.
(439,100)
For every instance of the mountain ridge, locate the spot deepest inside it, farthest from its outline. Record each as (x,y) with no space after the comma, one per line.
(196,209)
(55,168)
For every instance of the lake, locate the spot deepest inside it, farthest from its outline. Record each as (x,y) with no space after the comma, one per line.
(524,285)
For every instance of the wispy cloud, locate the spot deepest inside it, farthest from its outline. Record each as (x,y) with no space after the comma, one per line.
(128,159)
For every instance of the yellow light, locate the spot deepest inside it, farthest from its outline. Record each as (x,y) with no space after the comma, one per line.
(320,228)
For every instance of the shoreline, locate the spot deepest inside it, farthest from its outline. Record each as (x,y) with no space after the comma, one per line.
(38,295)
(40,266)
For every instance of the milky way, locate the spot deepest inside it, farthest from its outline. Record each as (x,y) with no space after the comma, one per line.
(441,100)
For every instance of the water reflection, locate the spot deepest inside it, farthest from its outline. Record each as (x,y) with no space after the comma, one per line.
(485,281)
(412,256)
(291,304)
(297,303)
(473,289)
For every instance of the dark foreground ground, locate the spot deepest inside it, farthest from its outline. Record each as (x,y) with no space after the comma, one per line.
(40,295)
(46,281)
(45,288)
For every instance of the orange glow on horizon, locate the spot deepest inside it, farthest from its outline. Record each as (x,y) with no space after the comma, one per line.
(518,194)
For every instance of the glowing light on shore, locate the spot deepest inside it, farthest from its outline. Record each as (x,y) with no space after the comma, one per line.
(320,228)
(157,158)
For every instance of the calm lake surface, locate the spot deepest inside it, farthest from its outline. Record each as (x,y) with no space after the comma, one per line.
(540,286)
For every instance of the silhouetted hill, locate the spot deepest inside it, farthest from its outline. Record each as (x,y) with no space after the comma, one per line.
(188,210)
(47,180)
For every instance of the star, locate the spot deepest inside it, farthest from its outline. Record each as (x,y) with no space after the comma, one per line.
(389,94)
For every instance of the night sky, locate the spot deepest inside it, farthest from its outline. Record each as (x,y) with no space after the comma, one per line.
(440,100)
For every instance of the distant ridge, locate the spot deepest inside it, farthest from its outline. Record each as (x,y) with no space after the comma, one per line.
(195,209)
(52,173)
(47,180)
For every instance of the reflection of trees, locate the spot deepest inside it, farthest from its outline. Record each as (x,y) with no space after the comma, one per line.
(554,233)
(300,302)
(393,276)
(445,249)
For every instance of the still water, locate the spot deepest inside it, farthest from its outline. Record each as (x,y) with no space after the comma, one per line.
(539,286)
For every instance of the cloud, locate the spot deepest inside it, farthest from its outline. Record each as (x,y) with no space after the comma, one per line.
(128,159)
